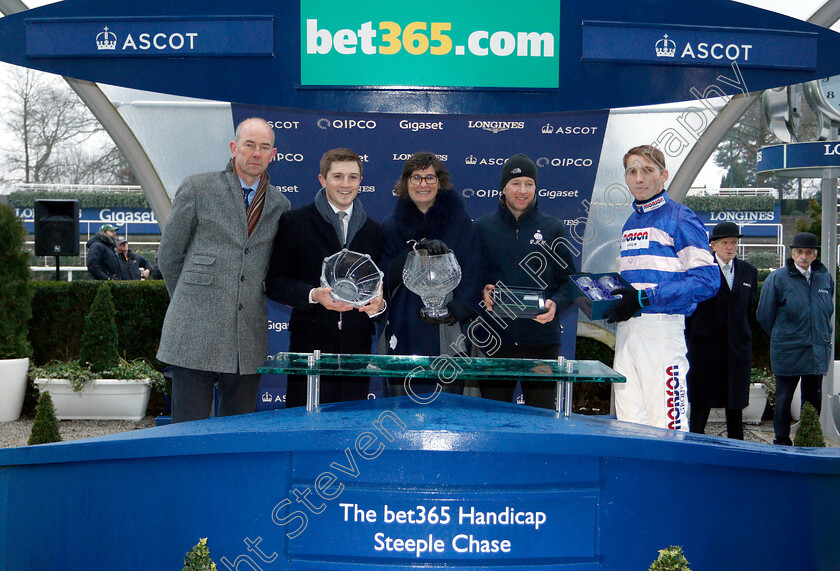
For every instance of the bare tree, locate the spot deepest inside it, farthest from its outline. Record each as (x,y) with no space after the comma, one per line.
(53,134)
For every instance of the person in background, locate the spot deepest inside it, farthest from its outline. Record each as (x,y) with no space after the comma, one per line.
(213,256)
(795,309)
(102,260)
(335,220)
(665,258)
(719,339)
(510,235)
(132,266)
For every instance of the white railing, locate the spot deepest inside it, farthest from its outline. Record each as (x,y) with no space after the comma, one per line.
(57,187)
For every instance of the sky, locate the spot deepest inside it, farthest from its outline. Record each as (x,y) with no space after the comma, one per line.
(710,176)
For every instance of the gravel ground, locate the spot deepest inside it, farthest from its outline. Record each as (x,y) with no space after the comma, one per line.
(17,433)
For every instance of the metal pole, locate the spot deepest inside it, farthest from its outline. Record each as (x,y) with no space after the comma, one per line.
(313,383)
(828,187)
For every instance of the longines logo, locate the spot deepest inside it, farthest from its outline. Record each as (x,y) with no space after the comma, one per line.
(324,123)
(406,156)
(549,129)
(473,160)
(495,126)
(106,40)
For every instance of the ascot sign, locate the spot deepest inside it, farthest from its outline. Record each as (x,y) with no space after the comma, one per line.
(477,43)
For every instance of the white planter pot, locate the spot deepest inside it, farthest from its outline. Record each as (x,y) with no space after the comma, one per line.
(12,387)
(753,412)
(101,399)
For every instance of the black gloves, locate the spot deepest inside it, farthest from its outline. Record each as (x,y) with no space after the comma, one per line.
(632,300)
(434,247)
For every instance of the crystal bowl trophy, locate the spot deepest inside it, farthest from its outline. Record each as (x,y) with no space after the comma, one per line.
(432,277)
(353,277)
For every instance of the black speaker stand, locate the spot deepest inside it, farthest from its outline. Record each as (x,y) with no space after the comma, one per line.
(57,268)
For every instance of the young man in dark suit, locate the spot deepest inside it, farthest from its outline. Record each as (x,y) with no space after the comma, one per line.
(719,338)
(334,220)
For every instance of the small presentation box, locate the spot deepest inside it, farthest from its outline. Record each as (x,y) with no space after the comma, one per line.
(519,302)
(590,292)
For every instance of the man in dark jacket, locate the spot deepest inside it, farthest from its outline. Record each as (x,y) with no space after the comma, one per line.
(518,236)
(132,266)
(719,339)
(102,261)
(305,236)
(795,309)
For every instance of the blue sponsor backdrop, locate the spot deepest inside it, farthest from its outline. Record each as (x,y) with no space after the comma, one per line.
(172,61)
(129,220)
(566,148)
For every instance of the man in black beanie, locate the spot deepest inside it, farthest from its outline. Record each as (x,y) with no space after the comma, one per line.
(515,232)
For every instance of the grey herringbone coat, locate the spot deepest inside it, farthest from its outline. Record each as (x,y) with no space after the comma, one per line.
(214,273)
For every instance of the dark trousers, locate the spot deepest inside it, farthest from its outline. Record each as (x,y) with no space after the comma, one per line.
(332,389)
(785,387)
(541,394)
(734,421)
(192,393)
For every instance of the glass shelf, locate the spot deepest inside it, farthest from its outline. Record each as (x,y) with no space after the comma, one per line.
(564,373)
(552,370)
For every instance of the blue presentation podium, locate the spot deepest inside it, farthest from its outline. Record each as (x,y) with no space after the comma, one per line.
(455,482)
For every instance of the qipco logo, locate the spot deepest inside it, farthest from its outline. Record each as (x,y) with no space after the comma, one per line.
(346,124)
(289,157)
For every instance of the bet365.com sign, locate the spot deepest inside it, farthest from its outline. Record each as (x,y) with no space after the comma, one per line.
(434,44)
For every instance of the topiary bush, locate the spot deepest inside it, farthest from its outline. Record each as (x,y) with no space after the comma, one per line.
(198,558)
(671,558)
(45,427)
(15,287)
(810,433)
(99,336)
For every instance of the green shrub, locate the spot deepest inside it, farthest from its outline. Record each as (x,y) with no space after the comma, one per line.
(15,287)
(45,427)
(810,433)
(99,336)
(198,558)
(671,558)
(764,260)
(730,203)
(59,309)
(131,199)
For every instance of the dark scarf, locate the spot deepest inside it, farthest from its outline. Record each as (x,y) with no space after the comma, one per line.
(414,225)
(357,219)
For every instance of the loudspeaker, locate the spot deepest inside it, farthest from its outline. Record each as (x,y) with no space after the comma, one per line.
(56,227)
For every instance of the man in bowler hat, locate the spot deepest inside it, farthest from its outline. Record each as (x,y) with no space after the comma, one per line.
(719,338)
(795,308)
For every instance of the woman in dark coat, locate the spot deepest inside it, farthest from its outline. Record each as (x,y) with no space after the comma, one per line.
(719,339)
(427,208)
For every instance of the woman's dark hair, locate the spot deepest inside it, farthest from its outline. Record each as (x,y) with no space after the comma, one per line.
(420,161)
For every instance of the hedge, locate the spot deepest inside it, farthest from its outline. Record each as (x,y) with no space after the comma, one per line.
(130,199)
(730,203)
(59,309)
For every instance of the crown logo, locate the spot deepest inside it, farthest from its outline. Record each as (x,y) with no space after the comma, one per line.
(471,160)
(665,47)
(106,40)
(266,397)
(547,129)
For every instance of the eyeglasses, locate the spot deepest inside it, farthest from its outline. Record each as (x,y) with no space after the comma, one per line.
(416,179)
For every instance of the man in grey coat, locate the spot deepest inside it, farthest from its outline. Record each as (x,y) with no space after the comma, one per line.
(214,256)
(795,309)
